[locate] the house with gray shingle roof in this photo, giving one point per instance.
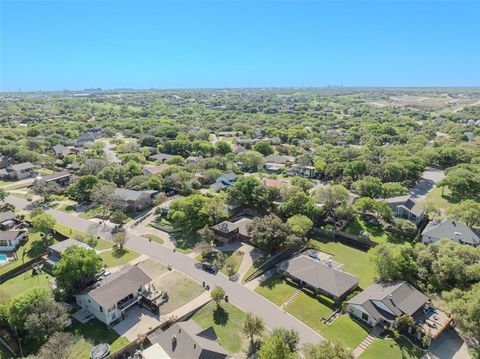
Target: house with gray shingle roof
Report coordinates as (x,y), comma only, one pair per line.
(454,230)
(407,208)
(129,199)
(188,340)
(110,298)
(161,157)
(321,277)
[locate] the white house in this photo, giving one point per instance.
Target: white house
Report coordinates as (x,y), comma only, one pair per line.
(109,298)
(454,230)
(10,240)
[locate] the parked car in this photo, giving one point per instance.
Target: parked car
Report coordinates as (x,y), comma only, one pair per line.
(209,267)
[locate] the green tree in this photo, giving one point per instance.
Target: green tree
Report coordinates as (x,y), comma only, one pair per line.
(25,305)
(76,269)
(289,337)
(120,238)
(393,189)
(407,228)
(82,188)
(300,224)
(118,217)
(332,197)
(393,261)
(45,318)
(252,327)
(263,147)
(3,195)
(217,294)
(223,147)
(271,234)
(327,350)
(273,347)
(467,211)
(43,223)
(368,187)
(252,160)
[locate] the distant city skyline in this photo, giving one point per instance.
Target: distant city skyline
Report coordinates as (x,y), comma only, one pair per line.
(52,46)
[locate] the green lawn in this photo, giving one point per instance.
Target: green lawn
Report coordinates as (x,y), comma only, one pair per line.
(234,259)
(345,331)
(117,257)
(443,202)
(388,348)
(310,309)
(276,289)
(96,243)
(255,266)
(180,289)
(93,333)
(92,212)
(354,261)
(153,238)
(186,241)
(68,208)
(4,353)
(25,282)
(358,226)
(227,321)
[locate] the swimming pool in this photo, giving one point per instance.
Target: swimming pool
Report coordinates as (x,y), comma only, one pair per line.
(3,259)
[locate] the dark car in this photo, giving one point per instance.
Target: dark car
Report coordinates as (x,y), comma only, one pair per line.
(209,267)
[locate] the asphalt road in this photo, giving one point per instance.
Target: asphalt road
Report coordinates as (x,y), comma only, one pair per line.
(429,178)
(242,297)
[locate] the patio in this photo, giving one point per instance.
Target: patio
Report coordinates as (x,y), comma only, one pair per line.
(137,321)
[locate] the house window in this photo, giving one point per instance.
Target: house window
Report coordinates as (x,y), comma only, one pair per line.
(365,317)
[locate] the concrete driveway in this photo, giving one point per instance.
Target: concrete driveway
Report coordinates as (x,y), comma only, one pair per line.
(449,345)
(429,178)
(138,321)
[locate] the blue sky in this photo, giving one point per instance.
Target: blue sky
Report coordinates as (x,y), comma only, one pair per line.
(112,44)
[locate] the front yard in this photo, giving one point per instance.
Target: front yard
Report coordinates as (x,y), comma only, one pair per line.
(186,242)
(359,226)
(276,289)
(180,289)
(227,321)
(153,237)
(354,261)
(389,348)
(116,257)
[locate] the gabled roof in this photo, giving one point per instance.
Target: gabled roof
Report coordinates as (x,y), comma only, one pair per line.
(229,176)
(451,229)
(154,170)
(319,275)
(128,194)
(278,158)
(406,202)
(7,216)
(22,166)
(55,176)
(160,157)
(60,247)
(8,235)
(399,297)
(188,340)
(117,286)
(228,227)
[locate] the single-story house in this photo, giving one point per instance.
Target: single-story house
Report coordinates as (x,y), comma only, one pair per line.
(407,208)
(272,167)
(381,303)
(228,179)
(128,199)
(55,251)
(318,276)
(8,220)
(227,231)
(154,170)
(62,151)
(161,157)
(218,186)
(193,159)
(188,340)
(238,149)
(454,230)
(229,133)
(274,158)
(299,170)
(109,298)
(10,240)
(62,178)
(18,171)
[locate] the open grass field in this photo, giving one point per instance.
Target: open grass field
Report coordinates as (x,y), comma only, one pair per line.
(117,257)
(25,282)
(276,289)
(355,261)
(389,348)
(227,321)
(180,289)
(377,234)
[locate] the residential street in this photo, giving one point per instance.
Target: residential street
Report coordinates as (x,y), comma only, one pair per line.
(429,178)
(239,295)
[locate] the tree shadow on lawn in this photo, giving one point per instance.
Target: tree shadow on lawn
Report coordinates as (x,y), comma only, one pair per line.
(39,246)
(119,253)
(220,316)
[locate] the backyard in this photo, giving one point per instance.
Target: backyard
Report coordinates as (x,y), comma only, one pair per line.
(389,348)
(25,282)
(354,261)
(377,234)
(435,199)
(227,321)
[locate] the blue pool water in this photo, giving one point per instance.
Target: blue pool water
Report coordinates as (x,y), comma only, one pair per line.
(3,258)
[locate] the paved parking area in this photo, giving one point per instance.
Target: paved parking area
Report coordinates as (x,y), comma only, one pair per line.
(138,320)
(449,345)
